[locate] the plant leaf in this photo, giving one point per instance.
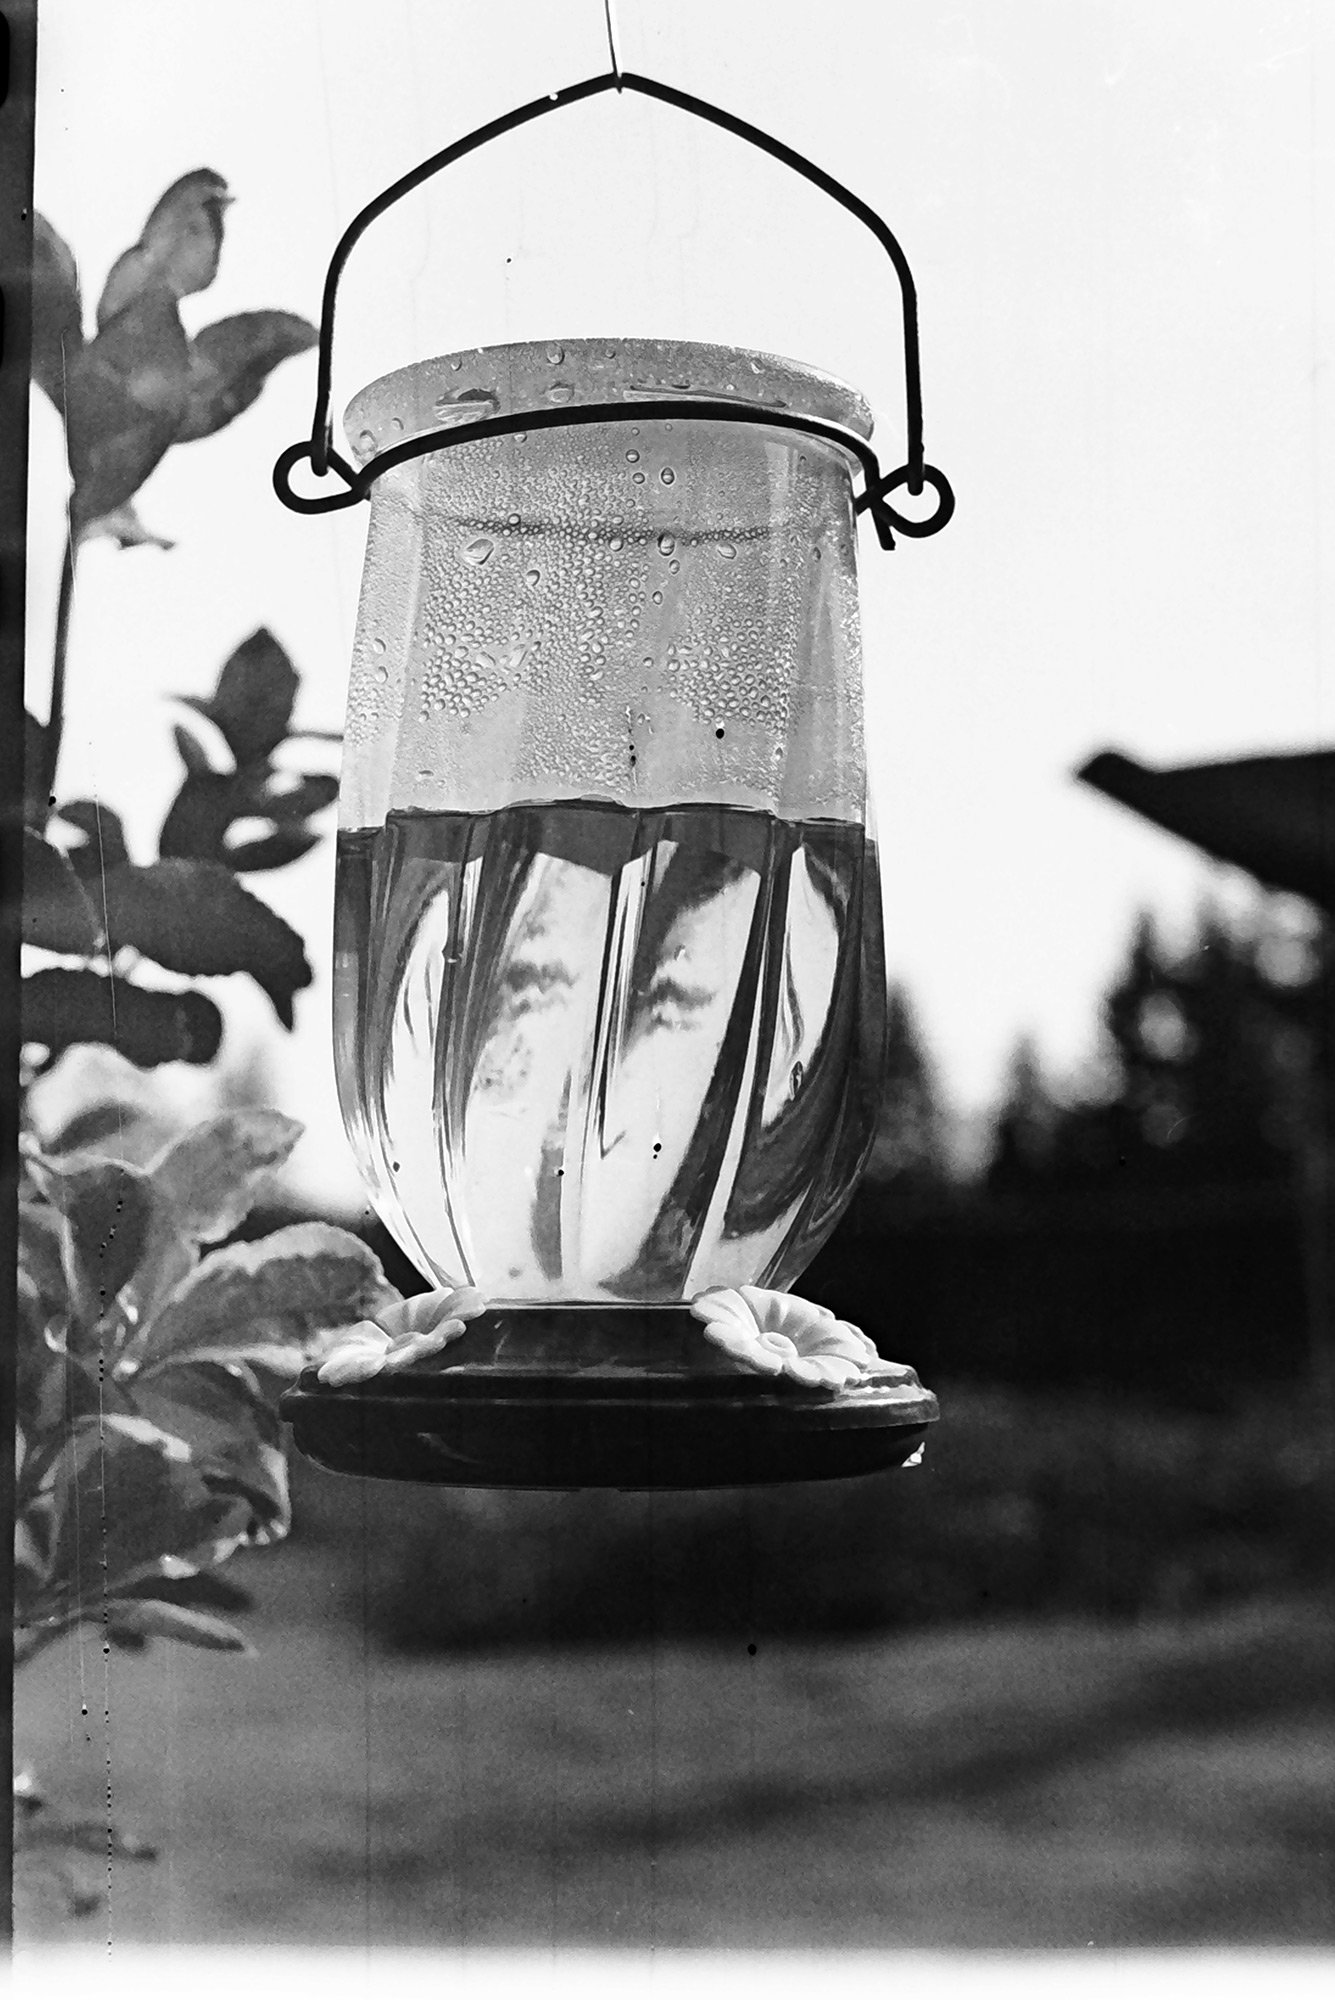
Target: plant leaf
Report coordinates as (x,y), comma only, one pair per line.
(196,825)
(195,917)
(57,312)
(91,1126)
(126,397)
(61,1008)
(234,1437)
(231,361)
(104,837)
(56,913)
(150,1618)
(108,1208)
(178,248)
(202,1590)
(210,1178)
(272,850)
(252,703)
(36,804)
(267,1301)
(123,1506)
(124,527)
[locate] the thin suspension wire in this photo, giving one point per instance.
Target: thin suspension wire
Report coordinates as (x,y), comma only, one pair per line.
(612,41)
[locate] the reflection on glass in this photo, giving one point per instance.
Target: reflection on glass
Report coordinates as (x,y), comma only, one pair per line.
(589,1052)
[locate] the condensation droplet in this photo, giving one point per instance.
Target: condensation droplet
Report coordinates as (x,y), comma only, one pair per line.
(382,674)
(512,520)
(666,544)
(674,567)
(667,475)
(556,355)
(638,477)
(616,543)
(396,425)
(727,551)
(560,392)
(658,597)
(632,458)
(377,645)
(532,576)
(366,440)
(456,362)
(477,552)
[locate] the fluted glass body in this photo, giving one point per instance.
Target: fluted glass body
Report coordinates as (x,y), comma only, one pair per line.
(609,982)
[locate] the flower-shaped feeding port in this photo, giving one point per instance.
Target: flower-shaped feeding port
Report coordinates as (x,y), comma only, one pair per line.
(413,1330)
(773,1333)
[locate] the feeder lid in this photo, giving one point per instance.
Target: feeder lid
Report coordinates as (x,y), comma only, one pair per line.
(544,374)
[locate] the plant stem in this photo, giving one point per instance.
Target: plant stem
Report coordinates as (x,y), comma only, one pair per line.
(55,727)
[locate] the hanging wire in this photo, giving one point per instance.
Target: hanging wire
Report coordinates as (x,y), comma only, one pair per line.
(915,474)
(612,42)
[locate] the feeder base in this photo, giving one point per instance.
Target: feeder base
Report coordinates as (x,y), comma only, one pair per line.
(641,1403)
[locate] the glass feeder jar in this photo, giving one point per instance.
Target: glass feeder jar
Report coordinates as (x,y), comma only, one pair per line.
(609,989)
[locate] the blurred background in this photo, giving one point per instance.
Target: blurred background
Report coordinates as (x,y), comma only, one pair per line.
(1071,1680)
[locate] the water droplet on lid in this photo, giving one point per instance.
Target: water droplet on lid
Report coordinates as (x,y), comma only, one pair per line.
(532,576)
(366,440)
(719,731)
(666,544)
(456,362)
(477,552)
(382,673)
(638,477)
(556,355)
(667,475)
(727,551)
(560,392)
(632,458)
(616,543)
(512,520)
(658,597)
(396,425)
(377,645)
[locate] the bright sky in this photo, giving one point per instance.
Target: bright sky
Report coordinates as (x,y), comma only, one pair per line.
(1120,218)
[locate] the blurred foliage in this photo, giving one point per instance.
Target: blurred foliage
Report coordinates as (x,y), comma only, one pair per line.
(909,1155)
(1216,1059)
(140,383)
(148,1350)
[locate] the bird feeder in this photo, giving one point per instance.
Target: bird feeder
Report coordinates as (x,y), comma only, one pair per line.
(610,992)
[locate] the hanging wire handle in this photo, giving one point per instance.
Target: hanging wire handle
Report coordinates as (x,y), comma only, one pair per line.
(914,474)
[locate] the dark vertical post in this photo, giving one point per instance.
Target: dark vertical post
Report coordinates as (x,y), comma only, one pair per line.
(18,72)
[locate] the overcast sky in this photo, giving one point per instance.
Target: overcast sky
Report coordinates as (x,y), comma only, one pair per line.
(1120,217)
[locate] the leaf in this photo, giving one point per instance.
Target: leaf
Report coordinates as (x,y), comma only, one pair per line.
(126,397)
(231,361)
(285,798)
(152,1619)
(178,248)
(94,1125)
(61,1008)
(273,850)
(122,1506)
(210,1177)
(200,1590)
(195,828)
(57,312)
(124,527)
(104,837)
(108,1208)
(36,803)
(56,913)
(193,754)
(195,917)
(233,1434)
(252,703)
(268,1300)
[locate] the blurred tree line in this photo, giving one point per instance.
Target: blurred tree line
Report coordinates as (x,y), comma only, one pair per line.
(1146,1224)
